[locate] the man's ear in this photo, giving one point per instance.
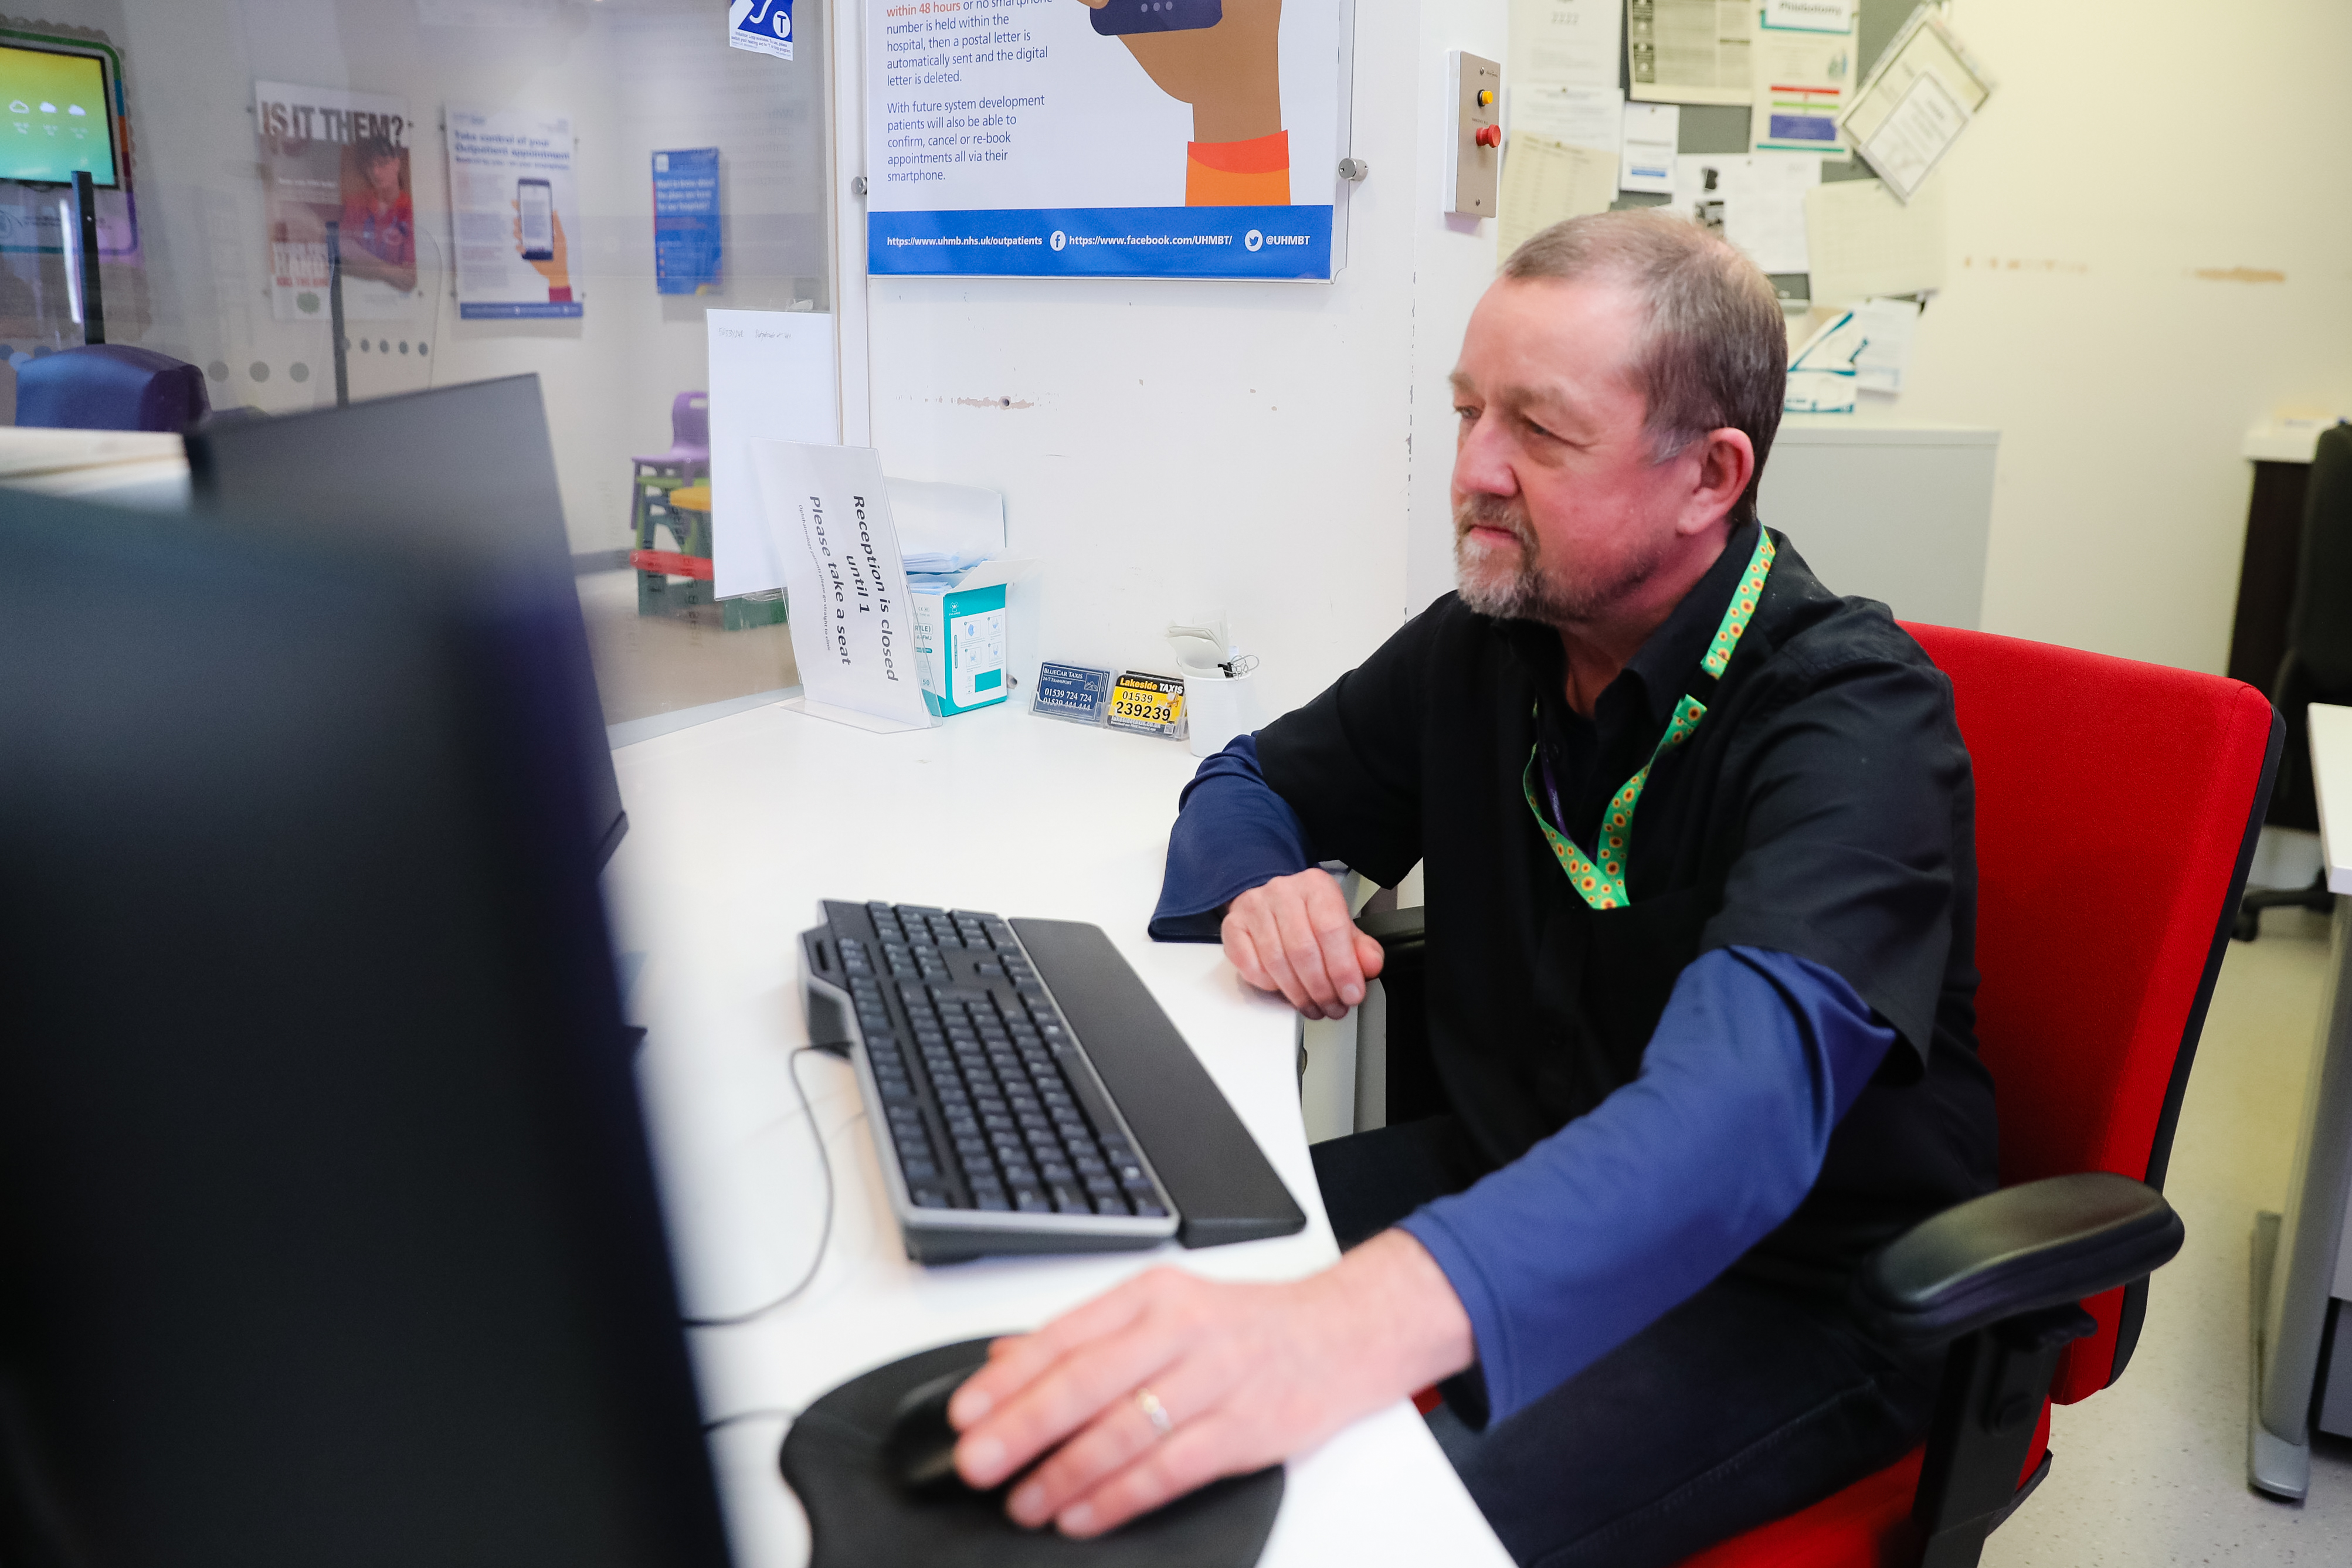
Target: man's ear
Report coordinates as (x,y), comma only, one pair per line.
(1726,461)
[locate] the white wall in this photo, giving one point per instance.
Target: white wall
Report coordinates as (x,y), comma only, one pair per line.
(1176,447)
(2129,148)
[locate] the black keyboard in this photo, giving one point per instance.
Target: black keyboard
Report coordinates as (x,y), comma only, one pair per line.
(995,1130)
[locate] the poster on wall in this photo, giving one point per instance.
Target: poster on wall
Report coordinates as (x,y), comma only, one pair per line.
(1124,138)
(516,209)
(686,221)
(332,156)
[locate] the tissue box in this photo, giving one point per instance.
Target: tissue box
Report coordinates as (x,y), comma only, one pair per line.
(962,637)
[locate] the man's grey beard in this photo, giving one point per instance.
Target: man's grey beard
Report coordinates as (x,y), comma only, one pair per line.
(1528,593)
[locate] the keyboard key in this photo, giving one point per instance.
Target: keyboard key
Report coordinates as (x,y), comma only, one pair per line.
(1029,1200)
(1099,1187)
(1067,1200)
(930,1195)
(978,1166)
(995,1202)
(1110,1203)
(1055,1171)
(918,1170)
(1149,1209)
(1019,1174)
(898,1090)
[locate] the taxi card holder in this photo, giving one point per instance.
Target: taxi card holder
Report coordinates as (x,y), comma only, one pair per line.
(1148,705)
(1076,693)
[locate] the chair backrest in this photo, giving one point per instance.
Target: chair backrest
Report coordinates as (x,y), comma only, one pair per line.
(689,419)
(2319,626)
(2117,809)
(110,386)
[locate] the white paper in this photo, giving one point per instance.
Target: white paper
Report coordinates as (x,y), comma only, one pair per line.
(1861,242)
(1568,43)
(962,520)
(1652,131)
(1758,203)
(771,376)
(1689,51)
(1546,181)
(853,619)
(1889,327)
(1821,374)
(1922,94)
(1804,64)
(1579,116)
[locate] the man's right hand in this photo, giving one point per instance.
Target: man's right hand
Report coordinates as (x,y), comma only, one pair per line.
(1294,935)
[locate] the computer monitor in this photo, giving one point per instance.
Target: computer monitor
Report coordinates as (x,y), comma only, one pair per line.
(59,116)
(462,477)
(327,1228)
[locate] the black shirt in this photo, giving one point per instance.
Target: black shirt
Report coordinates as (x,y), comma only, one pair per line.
(1824,808)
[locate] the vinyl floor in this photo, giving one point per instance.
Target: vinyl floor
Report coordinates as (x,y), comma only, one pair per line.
(2153,1470)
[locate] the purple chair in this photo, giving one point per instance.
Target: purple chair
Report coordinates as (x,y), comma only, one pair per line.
(110,386)
(688,459)
(689,439)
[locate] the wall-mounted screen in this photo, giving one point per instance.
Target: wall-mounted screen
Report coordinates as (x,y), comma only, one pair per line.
(55,117)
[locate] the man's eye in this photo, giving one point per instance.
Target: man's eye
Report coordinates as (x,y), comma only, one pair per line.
(1462,413)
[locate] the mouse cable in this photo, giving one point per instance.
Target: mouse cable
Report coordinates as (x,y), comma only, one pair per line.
(825,1237)
(751,1415)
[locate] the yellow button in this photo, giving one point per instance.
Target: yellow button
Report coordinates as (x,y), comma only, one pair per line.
(1485,96)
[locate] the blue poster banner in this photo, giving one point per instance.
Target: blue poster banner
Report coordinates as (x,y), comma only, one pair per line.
(1271,242)
(764,26)
(686,221)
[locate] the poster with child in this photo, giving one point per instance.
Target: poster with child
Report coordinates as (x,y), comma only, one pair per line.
(330,156)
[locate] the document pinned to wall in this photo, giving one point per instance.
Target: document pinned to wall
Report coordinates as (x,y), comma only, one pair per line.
(1758,203)
(1547,182)
(1689,51)
(1863,242)
(1579,116)
(1564,43)
(1923,92)
(1804,62)
(853,617)
(1865,349)
(772,377)
(1652,131)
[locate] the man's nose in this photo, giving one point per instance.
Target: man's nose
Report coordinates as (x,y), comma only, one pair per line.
(1482,463)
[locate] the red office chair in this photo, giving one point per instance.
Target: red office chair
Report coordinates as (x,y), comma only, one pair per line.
(2116,810)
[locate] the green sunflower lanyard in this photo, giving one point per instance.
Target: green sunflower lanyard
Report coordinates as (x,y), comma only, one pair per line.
(1604,886)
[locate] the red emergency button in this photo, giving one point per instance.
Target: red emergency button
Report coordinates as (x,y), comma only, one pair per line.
(1489,136)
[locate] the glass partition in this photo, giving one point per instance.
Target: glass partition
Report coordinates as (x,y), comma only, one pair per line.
(563,188)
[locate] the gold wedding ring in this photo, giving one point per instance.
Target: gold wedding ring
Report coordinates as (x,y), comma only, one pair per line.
(1154,1412)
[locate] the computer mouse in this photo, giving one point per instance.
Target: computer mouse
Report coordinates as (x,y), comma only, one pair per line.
(920,1449)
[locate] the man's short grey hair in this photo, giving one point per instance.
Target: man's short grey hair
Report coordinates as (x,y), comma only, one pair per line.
(1715,348)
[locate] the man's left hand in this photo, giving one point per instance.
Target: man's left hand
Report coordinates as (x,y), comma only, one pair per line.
(1241,1375)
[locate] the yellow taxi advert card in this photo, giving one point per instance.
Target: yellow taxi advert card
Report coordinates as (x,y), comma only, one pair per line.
(1148,704)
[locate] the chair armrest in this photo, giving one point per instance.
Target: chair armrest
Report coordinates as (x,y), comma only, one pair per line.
(1397,931)
(2041,1244)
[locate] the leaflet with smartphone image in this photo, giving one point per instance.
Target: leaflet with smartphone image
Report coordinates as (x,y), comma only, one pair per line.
(517,208)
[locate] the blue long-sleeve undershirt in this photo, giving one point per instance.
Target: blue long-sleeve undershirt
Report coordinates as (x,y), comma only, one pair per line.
(1601,1228)
(1605,1226)
(1232,832)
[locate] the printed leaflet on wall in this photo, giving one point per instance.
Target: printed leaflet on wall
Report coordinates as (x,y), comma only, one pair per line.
(686,221)
(331,156)
(517,208)
(1145,139)
(770,378)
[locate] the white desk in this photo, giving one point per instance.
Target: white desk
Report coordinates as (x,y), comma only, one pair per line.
(737,828)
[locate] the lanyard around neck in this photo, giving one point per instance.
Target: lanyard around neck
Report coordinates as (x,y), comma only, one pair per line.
(1603,885)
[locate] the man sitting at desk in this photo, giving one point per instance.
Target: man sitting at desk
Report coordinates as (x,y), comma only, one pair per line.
(1697,839)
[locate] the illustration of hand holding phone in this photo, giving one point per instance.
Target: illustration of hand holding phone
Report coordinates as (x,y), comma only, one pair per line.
(1223,57)
(1117,18)
(535,201)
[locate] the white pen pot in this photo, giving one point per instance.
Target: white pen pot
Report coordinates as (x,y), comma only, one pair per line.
(1220,706)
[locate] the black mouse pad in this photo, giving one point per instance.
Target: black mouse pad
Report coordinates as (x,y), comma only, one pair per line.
(862,1518)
